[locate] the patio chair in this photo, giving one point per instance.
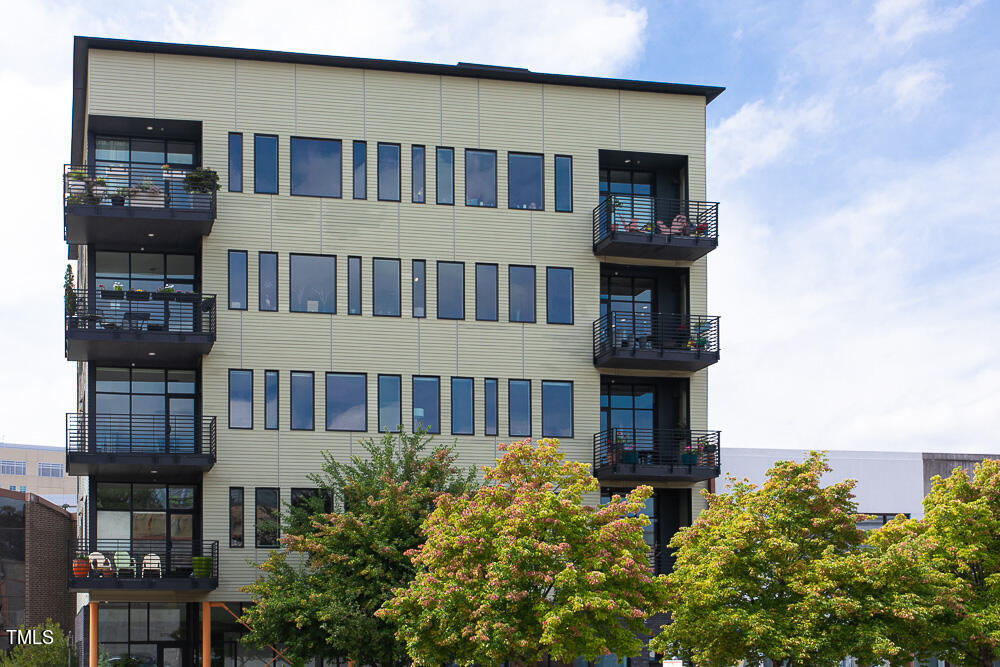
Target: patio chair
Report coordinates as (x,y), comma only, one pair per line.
(123,561)
(151,563)
(99,563)
(134,321)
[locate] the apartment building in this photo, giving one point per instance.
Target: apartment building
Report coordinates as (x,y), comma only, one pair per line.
(487,253)
(37,469)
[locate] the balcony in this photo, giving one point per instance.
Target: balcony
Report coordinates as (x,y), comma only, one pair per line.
(660,341)
(129,446)
(143,565)
(655,228)
(663,455)
(135,206)
(116,326)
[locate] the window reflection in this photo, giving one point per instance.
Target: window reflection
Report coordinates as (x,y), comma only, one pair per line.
(426,404)
(316,167)
(480,178)
(524,181)
(312,283)
(519,408)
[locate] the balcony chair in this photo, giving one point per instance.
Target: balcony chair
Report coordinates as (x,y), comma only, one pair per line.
(99,563)
(124,561)
(151,563)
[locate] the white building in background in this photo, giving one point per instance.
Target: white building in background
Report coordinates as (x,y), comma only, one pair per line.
(40,470)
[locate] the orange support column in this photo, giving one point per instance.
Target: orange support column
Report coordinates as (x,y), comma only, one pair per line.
(92,635)
(206,634)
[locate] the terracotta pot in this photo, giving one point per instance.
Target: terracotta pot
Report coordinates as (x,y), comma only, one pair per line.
(81,567)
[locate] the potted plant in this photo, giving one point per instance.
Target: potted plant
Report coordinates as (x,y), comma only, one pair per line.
(171,173)
(117,291)
(137,295)
(118,198)
(202,566)
(165,293)
(147,194)
(689,454)
(76,181)
(81,567)
(201,184)
(69,294)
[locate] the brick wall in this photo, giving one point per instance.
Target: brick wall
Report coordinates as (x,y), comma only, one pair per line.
(48,530)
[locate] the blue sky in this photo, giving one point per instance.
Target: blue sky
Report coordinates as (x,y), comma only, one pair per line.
(855,154)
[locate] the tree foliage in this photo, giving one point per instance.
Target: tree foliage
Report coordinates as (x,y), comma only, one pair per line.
(317,598)
(524,568)
(40,654)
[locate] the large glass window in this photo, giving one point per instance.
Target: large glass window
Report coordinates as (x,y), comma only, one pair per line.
(427,403)
(267,281)
(316,167)
(360,170)
(490,403)
(462,406)
(134,407)
(240,398)
(559,295)
(265,164)
(236,517)
(524,181)
(302,388)
(480,178)
(419,288)
(386,287)
(390,413)
(519,408)
(8,467)
(451,291)
(417,180)
(50,469)
(521,295)
(312,283)
(235,162)
(353,285)
(388,172)
(629,409)
(346,402)
(444,173)
(487,292)
(557,409)
(237,280)
(266,517)
(271,400)
(564,183)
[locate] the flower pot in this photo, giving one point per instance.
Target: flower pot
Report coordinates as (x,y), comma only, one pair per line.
(202,566)
(118,201)
(689,459)
(162,296)
(112,294)
(81,567)
(135,295)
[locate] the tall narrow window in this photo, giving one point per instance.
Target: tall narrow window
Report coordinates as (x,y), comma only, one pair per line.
(417,180)
(271,400)
(353,285)
(388,172)
(521,297)
(235,162)
(312,283)
(524,181)
(487,293)
(557,409)
(427,404)
(316,167)
(346,402)
(450,291)
(266,517)
(490,403)
(564,183)
(462,410)
(360,170)
(444,174)
(390,400)
(385,287)
(419,288)
(519,408)
(237,280)
(558,295)
(240,399)
(267,281)
(480,178)
(265,164)
(236,517)
(302,388)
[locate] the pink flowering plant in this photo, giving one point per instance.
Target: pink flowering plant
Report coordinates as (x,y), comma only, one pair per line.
(525,568)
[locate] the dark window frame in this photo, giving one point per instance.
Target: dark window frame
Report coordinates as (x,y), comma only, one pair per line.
(496,177)
(378,171)
(413,171)
(378,398)
(326,404)
(572,408)
(291,401)
(413,422)
(335,290)
(229,399)
(260,283)
(399,287)
(277,520)
(437,291)
(240,542)
(555,183)
(496,296)
(534,291)
(572,295)
(531,423)
(437,187)
(277,164)
(270,372)
(496,407)
(354,169)
(541,157)
(472,405)
(351,286)
(423,288)
(229,162)
(291,161)
(229,278)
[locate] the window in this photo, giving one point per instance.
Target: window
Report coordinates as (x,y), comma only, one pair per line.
(462,403)
(557,409)
(390,413)
(237,280)
(388,172)
(524,181)
(311,499)
(490,397)
(480,178)
(235,162)
(419,288)
(271,400)
(418,179)
(564,183)
(267,281)
(312,283)
(521,296)
(13,468)
(487,293)
(266,517)
(316,167)
(240,399)
(135,406)
(451,291)
(519,408)
(236,517)
(360,170)
(50,469)
(427,404)
(386,287)
(302,400)
(265,164)
(346,402)
(445,176)
(558,295)
(353,285)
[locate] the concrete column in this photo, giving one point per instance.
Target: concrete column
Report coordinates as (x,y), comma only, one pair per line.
(92,634)
(206,635)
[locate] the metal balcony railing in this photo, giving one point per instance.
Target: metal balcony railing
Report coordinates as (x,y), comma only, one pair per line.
(655,217)
(138,311)
(147,560)
(656,447)
(133,185)
(657,332)
(140,434)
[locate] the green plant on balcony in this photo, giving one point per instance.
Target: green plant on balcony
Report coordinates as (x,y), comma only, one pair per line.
(146,187)
(69,294)
(201,181)
(84,189)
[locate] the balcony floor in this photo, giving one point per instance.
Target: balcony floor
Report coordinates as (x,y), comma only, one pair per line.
(637,472)
(128,466)
(122,346)
(656,246)
(656,359)
(130,226)
(147,583)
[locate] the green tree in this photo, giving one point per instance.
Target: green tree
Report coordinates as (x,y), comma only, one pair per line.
(69,296)
(41,654)
(524,568)
(317,598)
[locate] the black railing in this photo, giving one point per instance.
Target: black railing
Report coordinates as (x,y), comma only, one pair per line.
(655,217)
(655,332)
(149,559)
(133,185)
(656,447)
(140,434)
(171,312)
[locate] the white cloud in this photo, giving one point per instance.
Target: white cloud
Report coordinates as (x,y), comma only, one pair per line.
(903,21)
(913,87)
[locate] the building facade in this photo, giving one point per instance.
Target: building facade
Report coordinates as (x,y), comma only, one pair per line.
(484,252)
(39,470)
